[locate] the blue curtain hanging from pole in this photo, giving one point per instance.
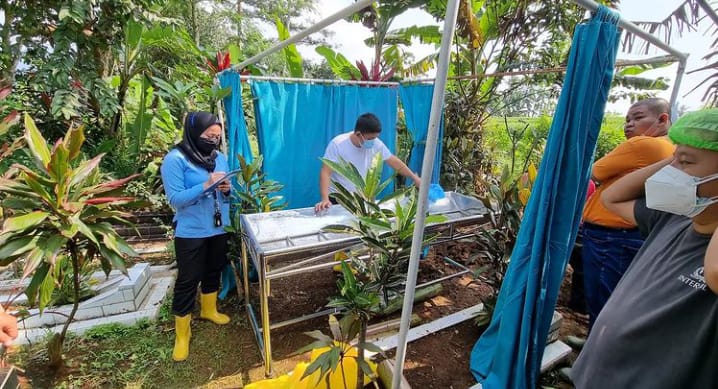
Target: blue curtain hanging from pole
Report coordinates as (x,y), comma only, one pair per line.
(237,143)
(296,121)
(237,137)
(416,101)
(508,354)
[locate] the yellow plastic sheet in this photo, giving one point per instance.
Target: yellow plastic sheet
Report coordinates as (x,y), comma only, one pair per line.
(346,372)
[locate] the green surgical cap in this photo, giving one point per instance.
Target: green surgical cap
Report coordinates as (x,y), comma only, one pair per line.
(698,129)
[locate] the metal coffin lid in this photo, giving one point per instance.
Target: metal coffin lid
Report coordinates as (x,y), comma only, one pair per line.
(298,231)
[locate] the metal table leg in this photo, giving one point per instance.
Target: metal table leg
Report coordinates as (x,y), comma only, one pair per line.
(264,307)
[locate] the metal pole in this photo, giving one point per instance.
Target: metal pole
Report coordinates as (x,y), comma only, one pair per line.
(264,311)
(682,57)
(220,113)
(559,69)
(320,81)
(629,26)
(676,88)
(341,14)
(437,104)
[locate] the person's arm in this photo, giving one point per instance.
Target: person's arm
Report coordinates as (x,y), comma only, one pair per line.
(325,175)
(401,168)
(8,327)
(225,186)
(173,181)
(620,197)
(616,162)
(710,265)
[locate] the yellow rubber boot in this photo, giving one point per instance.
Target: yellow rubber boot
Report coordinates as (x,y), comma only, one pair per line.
(208,305)
(183,333)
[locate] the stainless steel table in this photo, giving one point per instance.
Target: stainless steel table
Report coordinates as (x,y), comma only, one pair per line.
(289,242)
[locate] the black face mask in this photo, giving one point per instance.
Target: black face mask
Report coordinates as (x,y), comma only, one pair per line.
(206,146)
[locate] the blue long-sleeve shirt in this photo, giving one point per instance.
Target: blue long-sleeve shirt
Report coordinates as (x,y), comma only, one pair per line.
(184,183)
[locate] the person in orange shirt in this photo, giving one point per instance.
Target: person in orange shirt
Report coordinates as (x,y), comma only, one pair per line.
(609,241)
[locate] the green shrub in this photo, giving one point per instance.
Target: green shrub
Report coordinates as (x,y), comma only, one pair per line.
(498,140)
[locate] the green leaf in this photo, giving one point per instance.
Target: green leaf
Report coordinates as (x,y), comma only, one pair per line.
(133,34)
(53,246)
(15,247)
(117,261)
(340,229)
(46,289)
(339,64)
(346,170)
(84,170)
(366,368)
(334,356)
(371,347)
(118,245)
(635,70)
(73,141)
(335,327)
(68,230)
(426,34)
(291,55)
(235,53)
(106,265)
(24,222)
(85,230)
(143,120)
(38,189)
(314,345)
(435,219)
(36,143)
(16,203)
(321,363)
(37,279)
(46,250)
(58,169)
(318,335)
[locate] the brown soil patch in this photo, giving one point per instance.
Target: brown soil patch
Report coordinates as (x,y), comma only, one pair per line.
(440,360)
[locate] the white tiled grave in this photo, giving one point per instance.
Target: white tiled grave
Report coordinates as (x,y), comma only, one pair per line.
(119,299)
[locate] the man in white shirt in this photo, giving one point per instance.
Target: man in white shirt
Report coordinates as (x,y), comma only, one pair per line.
(359,148)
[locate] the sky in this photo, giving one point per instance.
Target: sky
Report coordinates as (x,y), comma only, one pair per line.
(348,39)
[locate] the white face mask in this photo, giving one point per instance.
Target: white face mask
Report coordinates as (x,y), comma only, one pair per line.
(674,191)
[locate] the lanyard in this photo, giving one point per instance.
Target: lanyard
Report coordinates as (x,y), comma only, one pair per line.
(217,212)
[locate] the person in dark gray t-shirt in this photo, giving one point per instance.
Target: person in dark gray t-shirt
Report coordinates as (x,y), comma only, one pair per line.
(659,328)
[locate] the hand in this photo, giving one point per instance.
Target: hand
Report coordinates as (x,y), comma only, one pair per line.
(8,328)
(417,182)
(213,177)
(224,187)
(322,205)
(656,130)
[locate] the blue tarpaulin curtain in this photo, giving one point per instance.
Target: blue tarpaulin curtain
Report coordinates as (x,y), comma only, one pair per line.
(237,138)
(237,143)
(508,354)
(296,121)
(416,101)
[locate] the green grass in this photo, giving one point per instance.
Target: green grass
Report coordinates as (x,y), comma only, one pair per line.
(140,356)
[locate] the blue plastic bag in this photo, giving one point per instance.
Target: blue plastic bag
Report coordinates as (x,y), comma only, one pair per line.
(436,192)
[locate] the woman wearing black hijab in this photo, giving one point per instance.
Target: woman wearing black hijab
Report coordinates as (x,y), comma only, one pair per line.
(188,170)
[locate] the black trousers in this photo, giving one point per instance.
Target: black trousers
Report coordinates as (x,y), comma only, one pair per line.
(199,261)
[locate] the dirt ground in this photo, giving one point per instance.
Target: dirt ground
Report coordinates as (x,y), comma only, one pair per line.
(422,369)
(226,356)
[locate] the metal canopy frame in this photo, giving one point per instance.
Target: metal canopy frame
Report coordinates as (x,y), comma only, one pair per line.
(432,135)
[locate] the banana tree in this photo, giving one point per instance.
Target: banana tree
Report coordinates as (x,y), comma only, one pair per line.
(62,206)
